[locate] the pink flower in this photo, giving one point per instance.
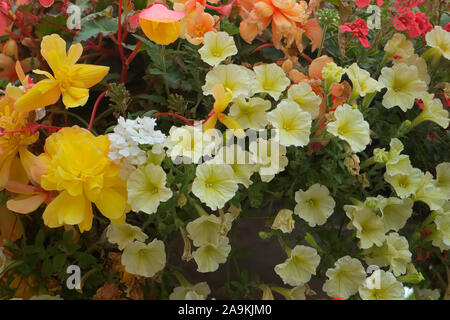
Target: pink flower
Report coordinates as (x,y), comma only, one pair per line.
(359,29)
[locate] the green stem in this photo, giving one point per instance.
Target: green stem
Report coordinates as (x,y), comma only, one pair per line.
(163,62)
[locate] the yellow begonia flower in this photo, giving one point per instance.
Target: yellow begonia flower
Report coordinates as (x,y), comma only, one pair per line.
(399,46)
(207,229)
(270,157)
(429,193)
(69,79)
(405,183)
(160,24)
(368,226)
(214,184)
(305,97)
(394,253)
(217,47)
(345,278)
(222,98)
(292,123)
(250,113)
(443,177)
(189,143)
(421,65)
(209,257)
(434,111)
(236,79)
(351,127)
(314,205)
(13,144)
(124,234)
(395,211)
(439,39)
(76,163)
(144,260)
(403,86)
(270,79)
(362,83)
(382,285)
(298,268)
(199,291)
(147,188)
(284,221)
(240,160)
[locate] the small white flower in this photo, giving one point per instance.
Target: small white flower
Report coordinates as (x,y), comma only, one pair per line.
(124,234)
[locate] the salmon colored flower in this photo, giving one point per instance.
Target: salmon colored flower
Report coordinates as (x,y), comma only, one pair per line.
(76,164)
(285,16)
(160,24)
(198,23)
(223,98)
(69,79)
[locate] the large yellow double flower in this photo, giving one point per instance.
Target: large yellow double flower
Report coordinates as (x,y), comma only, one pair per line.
(69,79)
(76,164)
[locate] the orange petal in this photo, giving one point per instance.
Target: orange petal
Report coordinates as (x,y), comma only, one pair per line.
(315,68)
(314,33)
(26,204)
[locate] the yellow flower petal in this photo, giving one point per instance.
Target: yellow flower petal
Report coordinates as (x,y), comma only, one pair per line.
(112,203)
(53,49)
(87,75)
(44,93)
(75,97)
(74,53)
(162,33)
(65,209)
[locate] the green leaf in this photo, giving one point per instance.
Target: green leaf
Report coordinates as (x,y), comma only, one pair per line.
(89,29)
(84,259)
(59,261)
(43,28)
(47,268)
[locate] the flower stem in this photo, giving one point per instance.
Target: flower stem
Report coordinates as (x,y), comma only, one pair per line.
(163,62)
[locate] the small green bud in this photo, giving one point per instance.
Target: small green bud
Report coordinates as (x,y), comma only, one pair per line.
(328,16)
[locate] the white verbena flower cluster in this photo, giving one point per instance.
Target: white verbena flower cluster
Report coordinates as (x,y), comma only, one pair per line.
(127,138)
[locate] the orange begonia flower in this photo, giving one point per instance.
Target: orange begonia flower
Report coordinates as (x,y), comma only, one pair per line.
(197,24)
(288,19)
(160,24)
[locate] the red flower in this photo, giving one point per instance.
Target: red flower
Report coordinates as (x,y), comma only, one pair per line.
(415,24)
(447,27)
(359,29)
(365,3)
(362,3)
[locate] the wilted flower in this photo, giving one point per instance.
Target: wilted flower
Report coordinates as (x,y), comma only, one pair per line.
(284,221)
